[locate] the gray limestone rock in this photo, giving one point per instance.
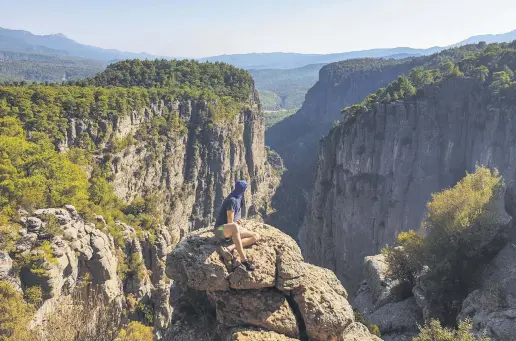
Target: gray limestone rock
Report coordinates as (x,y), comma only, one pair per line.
(398,318)
(6,265)
(377,171)
(492,307)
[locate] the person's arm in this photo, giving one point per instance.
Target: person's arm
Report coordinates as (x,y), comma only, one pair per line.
(231,215)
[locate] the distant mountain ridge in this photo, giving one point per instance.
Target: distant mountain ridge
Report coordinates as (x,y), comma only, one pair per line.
(59,44)
(281,60)
(489,38)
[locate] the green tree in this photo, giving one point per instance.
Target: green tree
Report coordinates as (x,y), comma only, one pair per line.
(15,315)
(459,225)
(480,73)
(135,331)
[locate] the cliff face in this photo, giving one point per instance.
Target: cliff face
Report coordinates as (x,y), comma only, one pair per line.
(376,171)
(189,170)
(297,137)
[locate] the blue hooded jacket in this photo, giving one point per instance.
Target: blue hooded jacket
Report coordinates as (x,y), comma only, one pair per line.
(233,202)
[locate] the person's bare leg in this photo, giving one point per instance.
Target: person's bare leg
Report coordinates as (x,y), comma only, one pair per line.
(246,238)
(233,231)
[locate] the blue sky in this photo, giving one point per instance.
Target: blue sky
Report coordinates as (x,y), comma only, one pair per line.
(199,28)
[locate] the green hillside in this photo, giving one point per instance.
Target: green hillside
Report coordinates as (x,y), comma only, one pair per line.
(34,118)
(45,68)
(289,85)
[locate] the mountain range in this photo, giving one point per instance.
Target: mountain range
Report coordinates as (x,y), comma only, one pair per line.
(60,45)
(281,78)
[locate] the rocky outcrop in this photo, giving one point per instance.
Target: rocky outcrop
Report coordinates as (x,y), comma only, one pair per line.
(492,306)
(387,303)
(377,171)
(398,308)
(283,299)
(297,137)
(188,170)
(65,256)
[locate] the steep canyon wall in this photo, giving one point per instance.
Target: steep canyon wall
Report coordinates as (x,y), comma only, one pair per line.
(377,170)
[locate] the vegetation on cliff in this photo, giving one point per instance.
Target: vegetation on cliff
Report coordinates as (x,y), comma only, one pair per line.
(42,165)
(434,332)
(491,66)
(460,225)
(206,79)
(34,119)
(15,315)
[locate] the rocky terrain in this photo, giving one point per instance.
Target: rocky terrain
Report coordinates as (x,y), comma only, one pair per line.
(160,157)
(81,257)
(376,172)
(397,307)
(283,299)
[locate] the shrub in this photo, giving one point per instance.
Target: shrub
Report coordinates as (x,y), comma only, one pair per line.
(135,331)
(460,224)
(37,262)
(8,235)
(33,295)
(120,143)
(51,226)
(373,328)
(434,332)
(405,259)
(15,315)
(146,312)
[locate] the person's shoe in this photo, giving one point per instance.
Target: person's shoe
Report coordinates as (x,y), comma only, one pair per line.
(225,254)
(247,265)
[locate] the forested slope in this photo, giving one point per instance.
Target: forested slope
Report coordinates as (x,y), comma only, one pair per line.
(145,152)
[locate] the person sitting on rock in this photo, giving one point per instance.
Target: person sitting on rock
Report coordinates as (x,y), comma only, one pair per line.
(228,226)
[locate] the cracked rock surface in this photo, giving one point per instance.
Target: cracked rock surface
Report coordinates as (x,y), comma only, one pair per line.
(283,299)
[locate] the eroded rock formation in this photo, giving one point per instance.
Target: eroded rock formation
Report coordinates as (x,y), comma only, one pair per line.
(387,303)
(398,308)
(377,171)
(61,254)
(189,170)
(492,307)
(283,299)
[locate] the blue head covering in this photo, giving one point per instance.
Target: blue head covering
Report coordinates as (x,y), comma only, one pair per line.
(240,188)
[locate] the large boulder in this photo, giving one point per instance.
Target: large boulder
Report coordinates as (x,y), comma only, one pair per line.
(253,334)
(266,309)
(357,332)
(322,302)
(283,299)
(492,307)
(398,318)
(387,303)
(278,258)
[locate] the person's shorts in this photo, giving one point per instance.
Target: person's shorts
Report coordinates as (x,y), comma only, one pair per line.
(219,233)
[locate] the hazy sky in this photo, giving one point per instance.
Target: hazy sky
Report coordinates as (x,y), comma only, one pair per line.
(196,28)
